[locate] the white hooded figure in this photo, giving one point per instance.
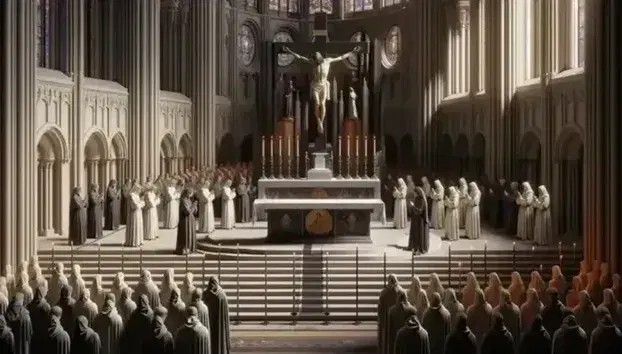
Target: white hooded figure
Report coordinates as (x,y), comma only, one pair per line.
(151,223)
(37,280)
(400,215)
(207,224)
(438,205)
(452,215)
(57,281)
(22,287)
(227,220)
(76,282)
(170,207)
(463,190)
(472,222)
(425,185)
(134,231)
(187,288)
(168,285)
(118,284)
(525,213)
(98,294)
(543,229)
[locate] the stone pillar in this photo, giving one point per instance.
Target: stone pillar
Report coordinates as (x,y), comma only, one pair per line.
(76,24)
(104,169)
(108,34)
(465,48)
(63,191)
(49,197)
(41,190)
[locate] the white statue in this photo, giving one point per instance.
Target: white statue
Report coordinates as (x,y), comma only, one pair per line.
(525,213)
(543,229)
(452,214)
(134,231)
(187,288)
(167,286)
(206,209)
(438,207)
(227,220)
(320,84)
(76,281)
(472,222)
(463,190)
(170,207)
(57,281)
(150,214)
(400,215)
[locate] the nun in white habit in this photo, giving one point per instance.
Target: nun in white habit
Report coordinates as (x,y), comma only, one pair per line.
(452,215)
(472,222)
(400,216)
(543,229)
(134,232)
(438,205)
(525,213)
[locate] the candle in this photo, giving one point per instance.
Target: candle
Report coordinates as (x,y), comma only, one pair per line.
(263,146)
(280,145)
(365,145)
(348,146)
(289,146)
(297,145)
(339,146)
(271,146)
(356,141)
(374,142)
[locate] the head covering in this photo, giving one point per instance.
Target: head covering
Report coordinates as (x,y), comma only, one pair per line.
(461,323)
(157,325)
(143,304)
(82,327)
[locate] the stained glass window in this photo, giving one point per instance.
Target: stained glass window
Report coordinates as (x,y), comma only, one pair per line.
(316,6)
(391,2)
(246,45)
(358,5)
(283,37)
(285,6)
(352,60)
(392,47)
(581,33)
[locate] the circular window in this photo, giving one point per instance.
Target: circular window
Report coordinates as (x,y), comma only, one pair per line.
(246,45)
(392,47)
(283,37)
(353,60)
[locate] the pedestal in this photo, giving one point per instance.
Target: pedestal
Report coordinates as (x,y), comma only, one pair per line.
(319,170)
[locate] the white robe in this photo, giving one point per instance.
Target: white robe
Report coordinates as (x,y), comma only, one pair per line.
(150,216)
(525,216)
(227,220)
(543,229)
(170,208)
(438,209)
(472,222)
(206,211)
(400,216)
(134,230)
(464,192)
(452,218)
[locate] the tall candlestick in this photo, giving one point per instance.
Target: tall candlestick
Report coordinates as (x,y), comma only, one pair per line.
(339,146)
(263,146)
(280,145)
(374,143)
(289,146)
(348,146)
(356,142)
(297,145)
(271,146)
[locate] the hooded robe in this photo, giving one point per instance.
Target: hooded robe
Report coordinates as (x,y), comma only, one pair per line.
(18,319)
(535,341)
(419,234)
(109,326)
(511,320)
(461,340)
(569,338)
(39,310)
(67,304)
(586,317)
(160,340)
(138,328)
(85,340)
(553,314)
(58,341)
(479,318)
(437,321)
(127,306)
(95,215)
(202,309)
(176,313)
(112,216)
(85,307)
(7,341)
(77,219)
(412,338)
(388,298)
(147,287)
(606,338)
(498,340)
(186,230)
(218,306)
(398,314)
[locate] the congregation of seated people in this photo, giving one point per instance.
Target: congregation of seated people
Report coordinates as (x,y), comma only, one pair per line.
(62,315)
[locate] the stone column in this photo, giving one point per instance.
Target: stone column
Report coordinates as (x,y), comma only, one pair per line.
(108,35)
(49,197)
(104,168)
(465,48)
(41,190)
(76,24)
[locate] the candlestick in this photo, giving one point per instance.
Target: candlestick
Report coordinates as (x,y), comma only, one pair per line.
(297,145)
(561,260)
(263,145)
(356,157)
(289,157)
(271,142)
(263,156)
(365,152)
(533,252)
(280,164)
(574,253)
(559,248)
(339,146)
(374,143)
(339,159)
(513,256)
(347,157)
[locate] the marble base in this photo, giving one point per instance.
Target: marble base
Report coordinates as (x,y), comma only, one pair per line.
(319,170)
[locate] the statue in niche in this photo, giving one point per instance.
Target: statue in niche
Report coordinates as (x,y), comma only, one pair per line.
(352,223)
(352,96)
(289,100)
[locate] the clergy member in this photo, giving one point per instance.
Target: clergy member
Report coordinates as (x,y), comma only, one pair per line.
(412,338)
(7,339)
(85,340)
(498,339)
(109,326)
(388,298)
(171,195)
(160,340)
(186,231)
(463,190)
(427,190)
(78,218)
(419,235)
(452,215)
(58,340)
(438,205)
(244,200)
(461,340)
(525,213)
(437,321)
(400,215)
(399,313)
(193,337)
(543,228)
(227,219)
(150,213)
(473,228)
(218,306)
(206,197)
(138,328)
(510,209)
(18,319)
(125,200)
(95,213)
(113,203)
(134,232)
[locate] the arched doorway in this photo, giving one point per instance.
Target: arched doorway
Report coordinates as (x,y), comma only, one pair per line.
(95,161)
(226,150)
(168,160)
(118,158)
(51,183)
(390,152)
(246,149)
(185,153)
(407,147)
(569,149)
(478,156)
(529,159)
(445,155)
(461,154)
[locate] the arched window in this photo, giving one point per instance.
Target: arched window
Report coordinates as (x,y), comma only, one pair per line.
(316,6)
(284,6)
(392,2)
(358,5)
(43,33)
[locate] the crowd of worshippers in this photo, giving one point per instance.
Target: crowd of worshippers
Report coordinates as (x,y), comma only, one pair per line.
(513,207)
(189,202)
(62,315)
(540,318)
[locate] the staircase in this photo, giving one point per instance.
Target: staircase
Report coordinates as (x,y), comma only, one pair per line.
(340,286)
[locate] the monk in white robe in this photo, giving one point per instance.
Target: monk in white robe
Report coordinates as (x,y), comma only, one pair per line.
(134,232)
(452,215)
(543,229)
(463,190)
(170,207)
(400,215)
(227,220)
(438,205)
(150,214)
(472,222)
(525,213)
(206,197)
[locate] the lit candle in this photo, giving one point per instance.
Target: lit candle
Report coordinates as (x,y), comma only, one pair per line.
(289,146)
(374,142)
(348,146)
(297,145)
(271,145)
(356,142)
(280,145)
(339,146)
(365,145)
(263,146)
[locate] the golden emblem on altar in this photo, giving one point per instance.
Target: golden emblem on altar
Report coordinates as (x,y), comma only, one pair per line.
(319,221)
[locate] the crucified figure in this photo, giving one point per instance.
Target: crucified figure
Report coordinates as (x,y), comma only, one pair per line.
(320,84)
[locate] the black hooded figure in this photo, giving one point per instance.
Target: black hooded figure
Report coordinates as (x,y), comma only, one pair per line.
(67,304)
(58,341)
(39,310)
(193,337)
(7,341)
(218,305)
(554,312)
(537,340)
(398,314)
(412,338)
(606,338)
(498,340)
(18,319)
(85,340)
(109,326)
(138,328)
(569,338)
(160,340)
(461,340)
(419,234)
(437,321)
(197,302)
(176,312)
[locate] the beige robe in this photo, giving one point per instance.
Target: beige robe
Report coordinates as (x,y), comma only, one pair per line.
(438,208)
(170,208)
(452,218)
(400,215)
(473,228)
(543,228)
(134,231)
(464,202)
(525,216)
(206,211)
(150,216)
(227,220)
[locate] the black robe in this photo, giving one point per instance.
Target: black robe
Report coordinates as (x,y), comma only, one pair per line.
(67,303)
(77,220)
(138,328)
(39,310)
(186,231)
(18,319)
(536,341)
(112,215)
(606,339)
(109,326)
(398,315)
(387,196)
(388,298)
(553,315)
(176,313)
(123,207)
(437,321)
(569,339)
(419,235)
(85,340)
(510,212)
(587,319)
(193,338)
(497,207)
(160,340)
(218,308)
(412,339)
(58,341)
(498,341)
(95,216)
(461,342)
(7,341)
(511,318)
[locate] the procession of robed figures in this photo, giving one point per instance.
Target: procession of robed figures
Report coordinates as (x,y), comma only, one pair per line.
(189,202)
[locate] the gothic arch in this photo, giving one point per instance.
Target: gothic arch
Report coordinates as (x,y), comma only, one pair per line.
(185,152)
(96,158)
(391,151)
(461,154)
(529,158)
(569,144)
(246,149)
(168,155)
(226,150)
(530,146)
(51,183)
(96,145)
(407,147)
(569,187)
(478,155)
(118,157)
(51,137)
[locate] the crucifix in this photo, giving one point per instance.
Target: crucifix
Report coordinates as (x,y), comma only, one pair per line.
(321,48)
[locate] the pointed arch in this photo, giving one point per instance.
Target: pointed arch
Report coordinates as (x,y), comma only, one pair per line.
(96,145)
(118,146)
(530,146)
(168,146)
(226,149)
(569,144)
(52,143)
(184,148)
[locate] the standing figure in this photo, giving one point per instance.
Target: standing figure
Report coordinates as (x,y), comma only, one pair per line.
(150,213)
(113,203)
(227,219)
(463,190)
(510,209)
(170,207)
(543,229)
(148,288)
(58,340)
(85,339)
(193,337)
(125,200)
(352,111)
(388,298)
(244,200)
(419,235)
(95,213)
(473,228)
(452,215)
(289,100)
(438,206)
(387,194)
(134,232)
(186,231)
(400,215)
(427,189)
(412,338)
(207,224)
(525,213)
(77,218)
(410,188)
(217,303)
